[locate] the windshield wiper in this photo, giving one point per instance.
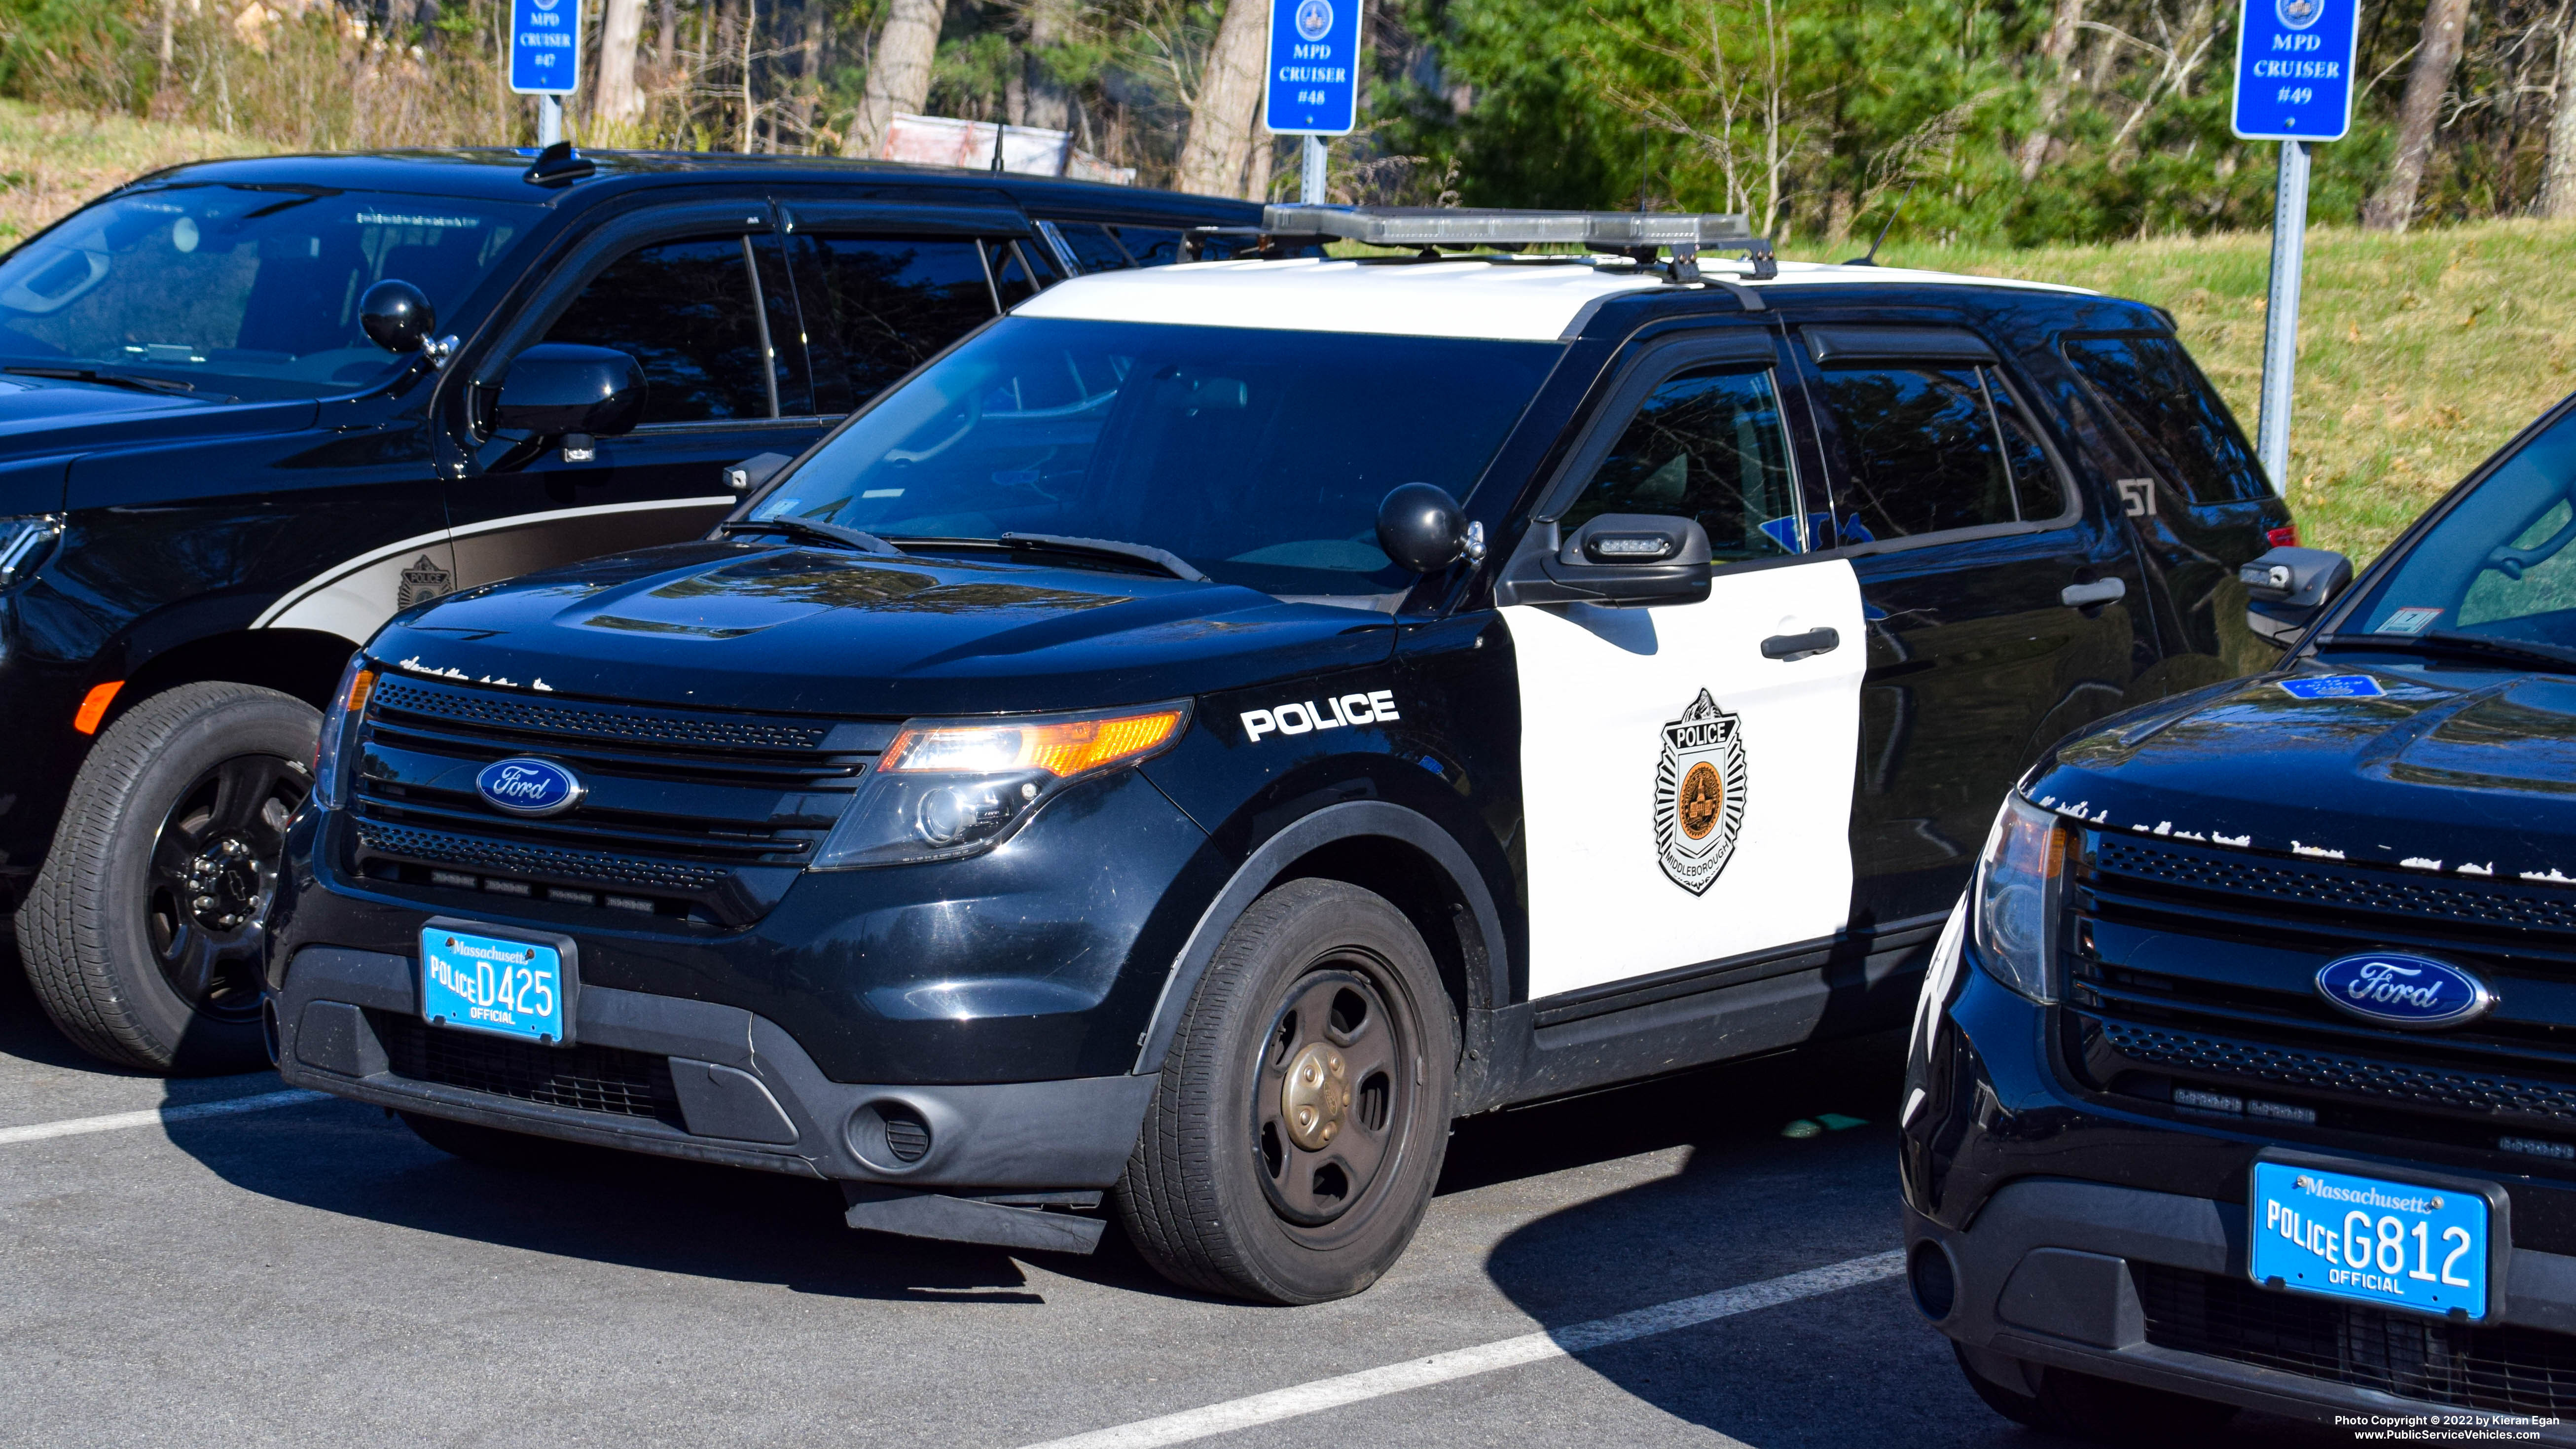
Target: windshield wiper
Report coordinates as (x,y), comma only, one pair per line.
(109,379)
(814,529)
(2451,641)
(1144,553)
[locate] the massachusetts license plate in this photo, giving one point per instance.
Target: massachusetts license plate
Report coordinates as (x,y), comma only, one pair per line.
(2369,1240)
(488,983)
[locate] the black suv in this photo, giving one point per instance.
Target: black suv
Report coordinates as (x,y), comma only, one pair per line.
(2246,1075)
(1116,759)
(250,409)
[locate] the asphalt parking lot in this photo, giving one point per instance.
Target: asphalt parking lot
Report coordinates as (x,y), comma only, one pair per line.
(313,1273)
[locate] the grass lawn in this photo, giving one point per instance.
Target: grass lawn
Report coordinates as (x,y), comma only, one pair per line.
(2418,354)
(52,161)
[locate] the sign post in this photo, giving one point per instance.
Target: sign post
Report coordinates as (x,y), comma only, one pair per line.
(2294,62)
(1313,87)
(545,58)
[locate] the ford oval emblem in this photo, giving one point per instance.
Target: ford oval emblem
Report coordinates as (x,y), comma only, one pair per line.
(525,786)
(2396,988)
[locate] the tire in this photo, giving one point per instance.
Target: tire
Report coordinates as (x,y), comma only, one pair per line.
(1290,1149)
(2107,1411)
(143,935)
(492,1146)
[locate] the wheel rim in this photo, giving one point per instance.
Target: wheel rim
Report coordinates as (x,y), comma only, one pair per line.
(1331,1097)
(213,877)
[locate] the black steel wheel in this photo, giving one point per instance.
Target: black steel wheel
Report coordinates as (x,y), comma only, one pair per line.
(144,933)
(1291,1145)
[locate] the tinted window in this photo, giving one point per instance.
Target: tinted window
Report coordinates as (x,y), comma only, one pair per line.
(2161,403)
(2499,562)
(1094,249)
(1017,274)
(1151,246)
(882,306)
(1924,451)
(1259,456)
(1708,444)
(691,312)
(240,291)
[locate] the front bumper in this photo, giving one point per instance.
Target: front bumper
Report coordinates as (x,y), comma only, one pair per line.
(2078,1233)
(693,1079)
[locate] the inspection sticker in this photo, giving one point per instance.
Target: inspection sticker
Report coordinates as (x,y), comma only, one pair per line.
(2332,686)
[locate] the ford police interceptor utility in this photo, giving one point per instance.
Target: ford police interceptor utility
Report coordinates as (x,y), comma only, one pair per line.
(1214,725)
(249,409)
(2248,1075)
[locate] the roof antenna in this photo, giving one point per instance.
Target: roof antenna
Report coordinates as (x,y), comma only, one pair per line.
(999,127)
(1875,242)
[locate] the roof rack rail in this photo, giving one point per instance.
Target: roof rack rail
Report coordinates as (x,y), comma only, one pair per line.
(1642,236)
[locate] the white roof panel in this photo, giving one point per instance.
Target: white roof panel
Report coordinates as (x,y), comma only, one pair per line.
(1515,301)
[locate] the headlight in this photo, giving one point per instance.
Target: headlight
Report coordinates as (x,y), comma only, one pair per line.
(2015,896)
(952,788)
(24,542)
(339,729)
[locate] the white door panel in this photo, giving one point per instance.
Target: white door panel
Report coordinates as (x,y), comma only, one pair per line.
(1754,816)
(356,596)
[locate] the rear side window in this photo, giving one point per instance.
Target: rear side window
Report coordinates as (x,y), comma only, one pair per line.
(700,318)
(2160,402)
(881,306)
(1930,449)
(1151,246)
(1093,248)
(1708,443)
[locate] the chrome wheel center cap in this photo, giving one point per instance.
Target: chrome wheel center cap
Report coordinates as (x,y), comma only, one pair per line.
(1317,1093)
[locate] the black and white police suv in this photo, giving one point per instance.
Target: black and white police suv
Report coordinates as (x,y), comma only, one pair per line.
(249,409)
(1216,724)
(2248,1075)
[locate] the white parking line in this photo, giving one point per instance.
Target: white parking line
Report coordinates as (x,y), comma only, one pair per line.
(1190,1424)
(157,1116)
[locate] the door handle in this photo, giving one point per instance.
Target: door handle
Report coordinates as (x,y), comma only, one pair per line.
(2094,595)
(1789,648)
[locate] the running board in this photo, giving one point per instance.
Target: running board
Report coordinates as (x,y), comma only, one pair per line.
(1004,1220)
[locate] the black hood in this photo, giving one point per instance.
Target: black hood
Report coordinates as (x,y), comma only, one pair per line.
(2462,772)
(740,626)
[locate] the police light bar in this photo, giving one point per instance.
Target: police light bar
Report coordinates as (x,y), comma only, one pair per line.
(1625,232)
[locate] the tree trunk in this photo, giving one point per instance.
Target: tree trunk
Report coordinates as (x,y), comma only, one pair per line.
(2055,49)
(1048,103)
(669,40)
(616,100)
(1221,124)
(2558,186)
(1256,181)
(2394,206)
(898,74)
(809,69)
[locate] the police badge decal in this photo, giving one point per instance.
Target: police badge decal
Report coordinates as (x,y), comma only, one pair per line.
(1699,794)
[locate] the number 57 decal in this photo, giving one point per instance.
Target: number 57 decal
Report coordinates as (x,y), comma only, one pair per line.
(2138,497)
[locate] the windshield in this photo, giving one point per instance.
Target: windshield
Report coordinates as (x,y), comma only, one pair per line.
(2498,564)
(1258,456)
(239,291)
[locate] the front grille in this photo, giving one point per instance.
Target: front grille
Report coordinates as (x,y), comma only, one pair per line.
(2191,967)
(583,1078)
(2341,891)
(698,814)
(2501,1369)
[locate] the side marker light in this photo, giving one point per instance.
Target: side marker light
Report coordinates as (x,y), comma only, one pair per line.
(93,706)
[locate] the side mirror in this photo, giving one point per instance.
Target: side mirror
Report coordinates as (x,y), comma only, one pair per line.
(1423,529)
(1635,559)
(556,388)
(397,316)
(2288,587)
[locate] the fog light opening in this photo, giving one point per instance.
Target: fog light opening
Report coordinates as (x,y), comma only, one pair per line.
(1935,1282)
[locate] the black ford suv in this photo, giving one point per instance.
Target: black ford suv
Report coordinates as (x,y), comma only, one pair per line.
(250,409)
(2247,1075)
(1117,759)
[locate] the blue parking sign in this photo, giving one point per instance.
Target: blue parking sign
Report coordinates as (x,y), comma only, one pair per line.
(545,47)
(2294,62)
(1313,88)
